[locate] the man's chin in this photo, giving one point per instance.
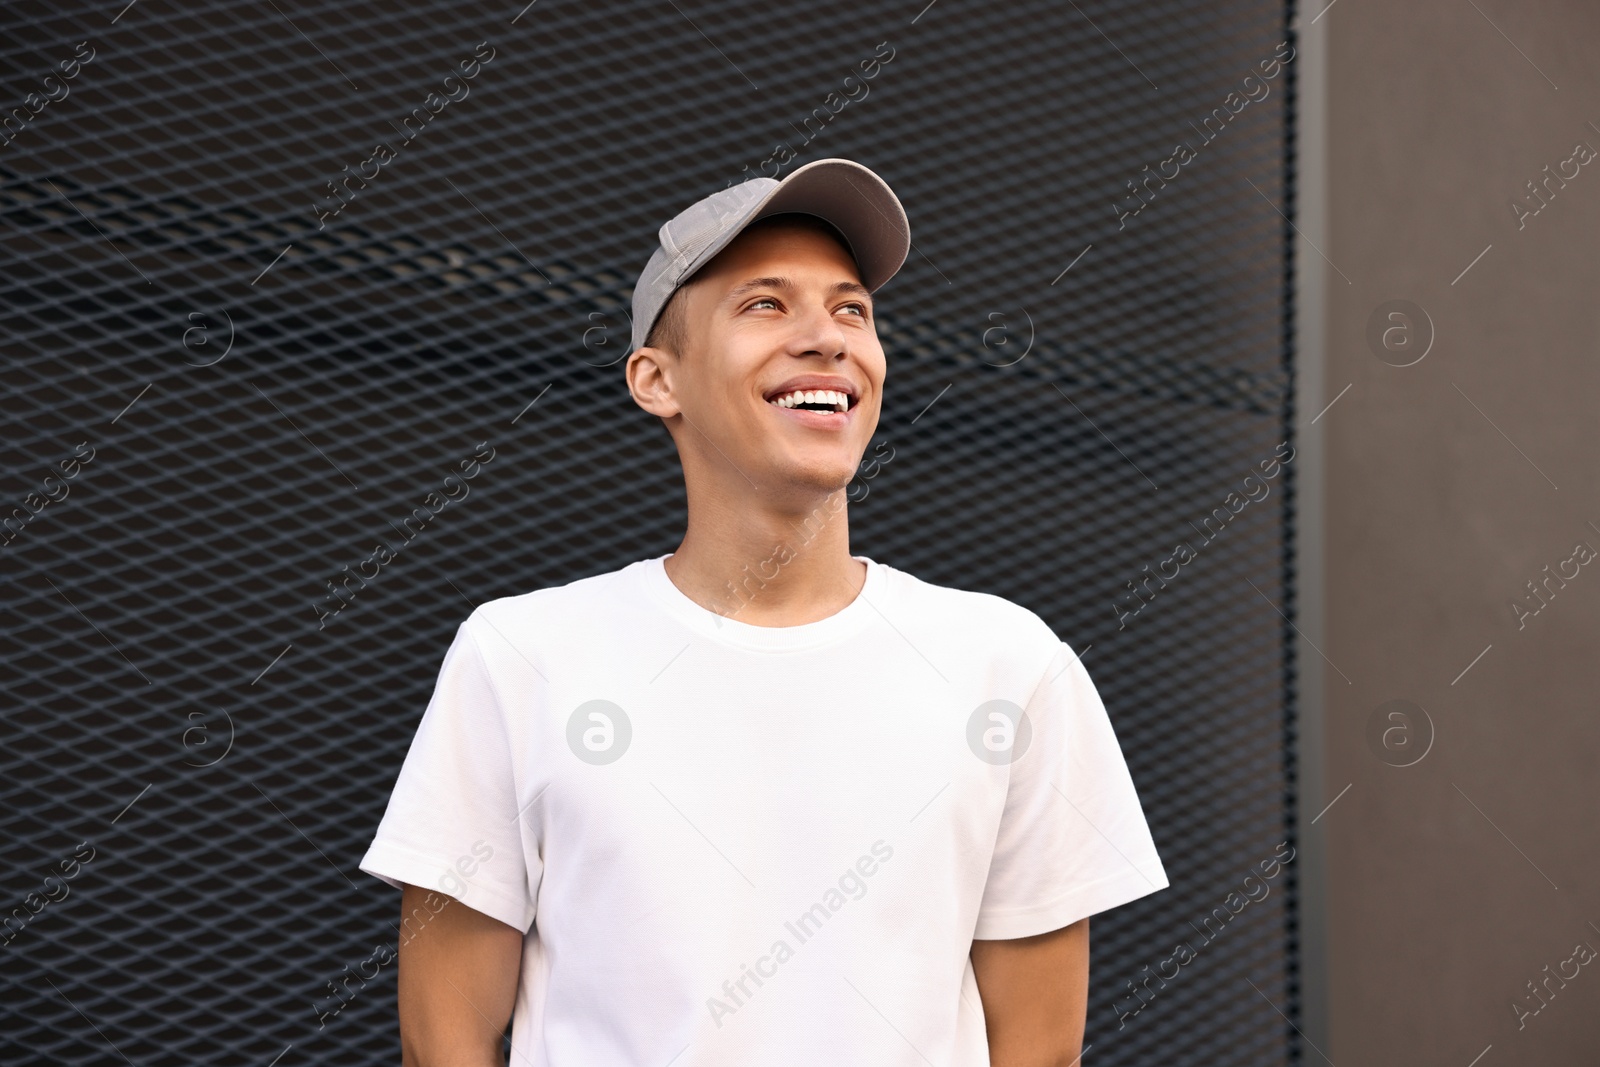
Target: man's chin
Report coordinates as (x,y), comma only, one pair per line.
(813,479)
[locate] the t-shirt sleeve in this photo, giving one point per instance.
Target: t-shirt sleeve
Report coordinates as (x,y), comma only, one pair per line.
(453,823)
(1073,840)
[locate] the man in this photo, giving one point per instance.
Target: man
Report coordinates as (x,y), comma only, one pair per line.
(759,801)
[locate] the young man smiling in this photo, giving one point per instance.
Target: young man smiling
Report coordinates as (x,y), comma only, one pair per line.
(861,819)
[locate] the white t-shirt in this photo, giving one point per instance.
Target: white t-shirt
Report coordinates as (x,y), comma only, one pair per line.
(738,844)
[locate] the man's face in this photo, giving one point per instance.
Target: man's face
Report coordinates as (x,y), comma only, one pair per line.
(780,311)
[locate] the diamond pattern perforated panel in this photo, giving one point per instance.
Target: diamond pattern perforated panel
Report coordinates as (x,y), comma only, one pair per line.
(271,272)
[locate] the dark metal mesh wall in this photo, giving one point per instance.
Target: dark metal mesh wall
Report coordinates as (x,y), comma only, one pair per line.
(264,395)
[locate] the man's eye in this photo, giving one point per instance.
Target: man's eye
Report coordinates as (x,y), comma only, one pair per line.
(860,309)
(764,300)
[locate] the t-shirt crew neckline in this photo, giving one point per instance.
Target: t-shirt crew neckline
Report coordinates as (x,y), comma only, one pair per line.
(843,623)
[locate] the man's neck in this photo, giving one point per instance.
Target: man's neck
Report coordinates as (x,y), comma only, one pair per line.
(769,566)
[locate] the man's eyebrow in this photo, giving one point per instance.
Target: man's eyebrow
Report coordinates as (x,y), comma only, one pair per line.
(837,289)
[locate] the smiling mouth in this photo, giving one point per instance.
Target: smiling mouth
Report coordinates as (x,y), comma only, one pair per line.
(821,400)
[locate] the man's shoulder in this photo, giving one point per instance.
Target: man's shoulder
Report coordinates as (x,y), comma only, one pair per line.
(983,616)
(552,609)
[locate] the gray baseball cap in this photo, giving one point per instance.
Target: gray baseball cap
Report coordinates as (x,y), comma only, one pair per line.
(858,203)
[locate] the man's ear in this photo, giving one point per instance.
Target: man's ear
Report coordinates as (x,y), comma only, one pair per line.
(649,372)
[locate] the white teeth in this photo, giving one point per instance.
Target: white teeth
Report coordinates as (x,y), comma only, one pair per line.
(840,401)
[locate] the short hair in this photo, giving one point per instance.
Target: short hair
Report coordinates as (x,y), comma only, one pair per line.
(670,331)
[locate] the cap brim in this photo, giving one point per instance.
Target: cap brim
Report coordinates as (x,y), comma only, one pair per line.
(858,203)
